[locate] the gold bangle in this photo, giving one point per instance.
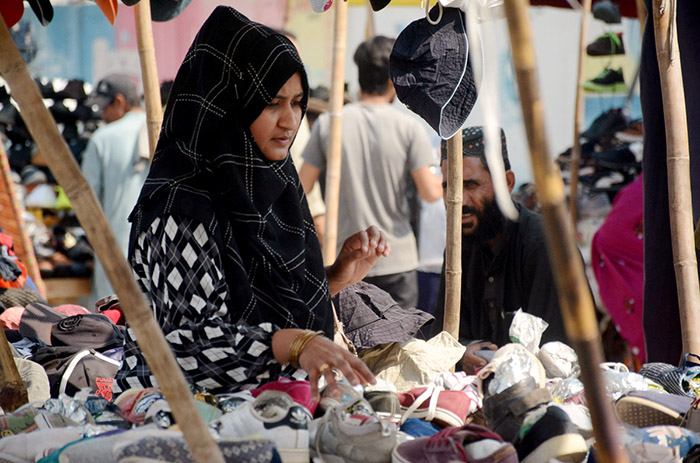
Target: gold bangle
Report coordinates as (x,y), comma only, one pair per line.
(298,345)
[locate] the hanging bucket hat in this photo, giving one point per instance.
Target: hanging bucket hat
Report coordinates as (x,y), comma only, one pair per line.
(431,72)
(43,11)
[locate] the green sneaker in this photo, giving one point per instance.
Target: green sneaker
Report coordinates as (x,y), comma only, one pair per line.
(608,81)
(607,44)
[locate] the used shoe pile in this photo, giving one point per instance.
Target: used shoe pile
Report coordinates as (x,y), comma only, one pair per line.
(526,404)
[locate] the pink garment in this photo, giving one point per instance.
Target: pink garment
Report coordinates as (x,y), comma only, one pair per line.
(10,318)
(617,255)
(71,309)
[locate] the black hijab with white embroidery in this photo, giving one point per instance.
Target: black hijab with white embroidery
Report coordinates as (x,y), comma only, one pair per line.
(208,167)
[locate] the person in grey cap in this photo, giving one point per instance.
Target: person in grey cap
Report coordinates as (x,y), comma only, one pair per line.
(504,263)
(115,162)
(381,148)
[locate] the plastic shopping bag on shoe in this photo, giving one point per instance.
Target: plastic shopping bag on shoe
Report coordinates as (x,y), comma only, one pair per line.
(527,329)
(413,363)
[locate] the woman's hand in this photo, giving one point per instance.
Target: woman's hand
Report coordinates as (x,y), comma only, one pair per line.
(321,356)
(356,258)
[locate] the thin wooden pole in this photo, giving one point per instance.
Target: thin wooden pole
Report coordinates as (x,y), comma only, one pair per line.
(641,15)
(287,14)
(578,115)
(149,72)
(678,163)
(572,287)
(13,394)
(92,218)
(453,251)
(336,133)
(369,26)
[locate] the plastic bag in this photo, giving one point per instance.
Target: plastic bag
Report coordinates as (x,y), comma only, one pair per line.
(527,329)
(558,359)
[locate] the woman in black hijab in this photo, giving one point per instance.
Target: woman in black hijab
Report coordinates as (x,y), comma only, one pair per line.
(222,241)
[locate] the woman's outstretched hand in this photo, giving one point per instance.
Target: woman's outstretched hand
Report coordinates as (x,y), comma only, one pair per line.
(322,356)
(356,258)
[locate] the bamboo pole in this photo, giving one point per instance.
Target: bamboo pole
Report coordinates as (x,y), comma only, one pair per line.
(453,251)
(578,115)
(149,72)
(641,15)
(575,300)
(369,26)
(150,338)
(13,394)
(678,163)
(336,133)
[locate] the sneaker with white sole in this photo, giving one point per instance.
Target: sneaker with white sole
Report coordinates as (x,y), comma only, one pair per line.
(549,435)
(352,433)
(275,416)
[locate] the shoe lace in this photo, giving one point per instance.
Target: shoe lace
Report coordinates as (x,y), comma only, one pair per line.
(432,391)
(443,438)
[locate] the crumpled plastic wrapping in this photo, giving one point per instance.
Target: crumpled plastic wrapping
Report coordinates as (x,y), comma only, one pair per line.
(558,359)
(527,329)
(413,363)
(568,390)
(515,369)
(618,383)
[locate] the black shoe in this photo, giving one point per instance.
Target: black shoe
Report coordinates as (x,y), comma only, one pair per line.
(607,44)
(608,181)
(504,412)
(607,11)
(608,81)
(552,436)
(606,124)
(620,157)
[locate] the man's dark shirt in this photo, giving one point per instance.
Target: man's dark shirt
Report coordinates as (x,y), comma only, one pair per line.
(495,284)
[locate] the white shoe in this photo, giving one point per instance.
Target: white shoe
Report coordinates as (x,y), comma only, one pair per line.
(275,416)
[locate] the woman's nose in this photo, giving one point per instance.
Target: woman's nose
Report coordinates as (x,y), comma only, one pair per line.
(289,119)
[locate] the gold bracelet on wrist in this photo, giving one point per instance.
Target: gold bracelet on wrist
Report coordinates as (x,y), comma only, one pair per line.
(298,345)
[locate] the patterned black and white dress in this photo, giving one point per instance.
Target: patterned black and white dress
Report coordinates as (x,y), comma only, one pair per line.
(178,265)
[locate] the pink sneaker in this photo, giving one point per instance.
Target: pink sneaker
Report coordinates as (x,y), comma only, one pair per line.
(468,444)
(299,391)
(444,408)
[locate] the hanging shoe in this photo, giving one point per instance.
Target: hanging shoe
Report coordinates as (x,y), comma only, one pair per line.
(607,12)
(319,6)
(606,45)
(608,81)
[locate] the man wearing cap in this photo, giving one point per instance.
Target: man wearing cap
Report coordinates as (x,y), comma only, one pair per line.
(504,264)
(381,146)
(115,162)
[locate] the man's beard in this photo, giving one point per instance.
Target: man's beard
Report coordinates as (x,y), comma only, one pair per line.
(490,223)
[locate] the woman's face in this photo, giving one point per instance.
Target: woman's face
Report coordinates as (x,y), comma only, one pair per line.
(277,125)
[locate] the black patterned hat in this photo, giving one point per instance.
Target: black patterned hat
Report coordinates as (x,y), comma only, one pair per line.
(431,71)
